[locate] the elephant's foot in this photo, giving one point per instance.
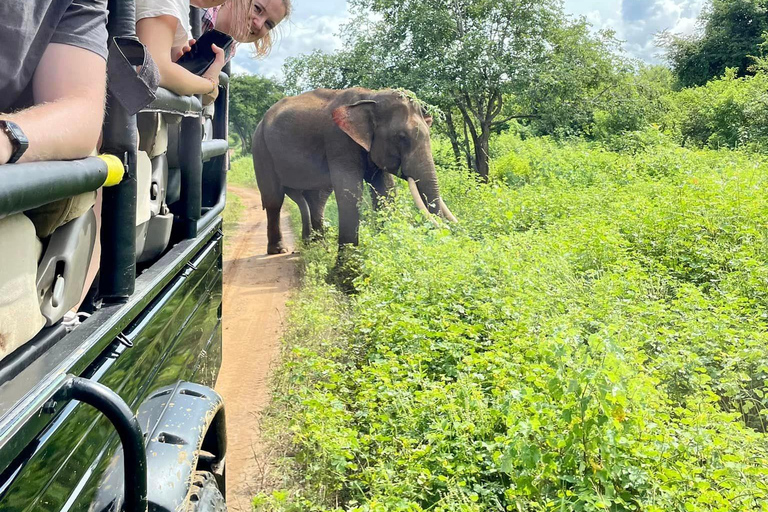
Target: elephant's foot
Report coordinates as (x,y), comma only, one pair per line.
(276,248)
(344,272)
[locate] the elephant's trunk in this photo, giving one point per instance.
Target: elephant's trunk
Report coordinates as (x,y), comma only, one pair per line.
(422,182)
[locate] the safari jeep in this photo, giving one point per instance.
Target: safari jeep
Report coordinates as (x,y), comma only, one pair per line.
(110,309)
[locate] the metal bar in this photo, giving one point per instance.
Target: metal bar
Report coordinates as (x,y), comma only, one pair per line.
(214,148)
(117,279)
(191,164)
(215,171)
(29,185)
(211,214)
(195,21)
(127,426)
(224,77)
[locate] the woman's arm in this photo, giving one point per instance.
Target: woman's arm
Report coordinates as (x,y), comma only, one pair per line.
(206,4)
(157,34)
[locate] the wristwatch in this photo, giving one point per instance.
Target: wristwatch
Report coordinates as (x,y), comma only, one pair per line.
(18,140)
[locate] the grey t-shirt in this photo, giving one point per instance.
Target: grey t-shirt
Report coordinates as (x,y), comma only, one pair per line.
(26,29)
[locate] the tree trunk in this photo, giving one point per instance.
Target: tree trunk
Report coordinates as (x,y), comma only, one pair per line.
(482,158)
(453,136)
(468,150)
(245,143)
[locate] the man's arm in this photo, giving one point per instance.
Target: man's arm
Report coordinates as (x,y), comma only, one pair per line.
(69,88)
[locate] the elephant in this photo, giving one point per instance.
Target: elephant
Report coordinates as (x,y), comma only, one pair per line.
(333,140)
(312,203)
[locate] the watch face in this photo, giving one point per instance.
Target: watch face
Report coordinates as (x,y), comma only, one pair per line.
(17,134)
(18,140)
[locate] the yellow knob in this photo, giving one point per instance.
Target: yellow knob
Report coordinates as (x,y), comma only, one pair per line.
(115,170)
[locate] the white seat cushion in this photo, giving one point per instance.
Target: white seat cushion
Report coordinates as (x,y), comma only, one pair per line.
(20,317)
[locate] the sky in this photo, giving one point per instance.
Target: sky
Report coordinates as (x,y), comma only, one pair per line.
(315,23)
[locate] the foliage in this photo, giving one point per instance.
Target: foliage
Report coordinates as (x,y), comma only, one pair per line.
(241,172)
(233,211)
(483,63)
(250,96)
(590,336)
(583,73)
(727,112)
(732,32)
(639,99)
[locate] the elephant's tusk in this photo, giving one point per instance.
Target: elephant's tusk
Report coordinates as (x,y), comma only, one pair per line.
(445,211)
(416,195)
(418,200)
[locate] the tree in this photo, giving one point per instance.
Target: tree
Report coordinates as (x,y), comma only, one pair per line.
(484,63)
(730,34)
(467,55)
(250,96)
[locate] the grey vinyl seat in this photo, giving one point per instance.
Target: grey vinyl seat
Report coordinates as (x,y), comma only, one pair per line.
(44,266)
(154,220)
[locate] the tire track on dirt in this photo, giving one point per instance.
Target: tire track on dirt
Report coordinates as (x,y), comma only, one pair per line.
(256,288)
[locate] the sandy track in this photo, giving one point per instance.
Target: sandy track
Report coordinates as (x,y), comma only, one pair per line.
(256,287)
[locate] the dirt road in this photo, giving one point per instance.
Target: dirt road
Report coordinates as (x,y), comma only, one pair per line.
(256,287)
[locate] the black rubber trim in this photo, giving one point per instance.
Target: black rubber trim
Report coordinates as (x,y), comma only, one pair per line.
(170,103)
(20,358)
(29,185)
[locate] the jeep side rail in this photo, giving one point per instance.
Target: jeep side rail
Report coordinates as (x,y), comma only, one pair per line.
(152,341)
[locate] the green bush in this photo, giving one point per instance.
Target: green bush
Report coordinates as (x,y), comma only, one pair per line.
(241,172)
(592,335)
(729,112)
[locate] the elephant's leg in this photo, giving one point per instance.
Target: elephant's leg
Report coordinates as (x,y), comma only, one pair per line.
(301,202)
(271,190)
(274,235)
(348,188)
(317,199)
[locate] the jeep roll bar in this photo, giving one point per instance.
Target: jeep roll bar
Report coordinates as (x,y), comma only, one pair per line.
(42,376)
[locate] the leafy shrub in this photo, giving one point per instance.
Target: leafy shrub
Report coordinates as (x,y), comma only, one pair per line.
(592,335)
(728,112)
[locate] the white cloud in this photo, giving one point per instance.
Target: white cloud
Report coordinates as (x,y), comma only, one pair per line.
(314,25)
(638,21)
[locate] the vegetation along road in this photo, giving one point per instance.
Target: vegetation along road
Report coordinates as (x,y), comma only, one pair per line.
(592,335)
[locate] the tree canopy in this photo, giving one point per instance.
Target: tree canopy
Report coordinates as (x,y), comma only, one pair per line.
(484,63)
(250,96)
(731,32)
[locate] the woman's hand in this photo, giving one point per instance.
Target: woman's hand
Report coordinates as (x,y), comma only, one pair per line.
(178,51)
(212,74)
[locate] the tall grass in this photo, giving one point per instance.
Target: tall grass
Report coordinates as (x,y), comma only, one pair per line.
(592,335)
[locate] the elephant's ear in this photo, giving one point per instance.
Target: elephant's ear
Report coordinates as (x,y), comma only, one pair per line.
(356,120)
